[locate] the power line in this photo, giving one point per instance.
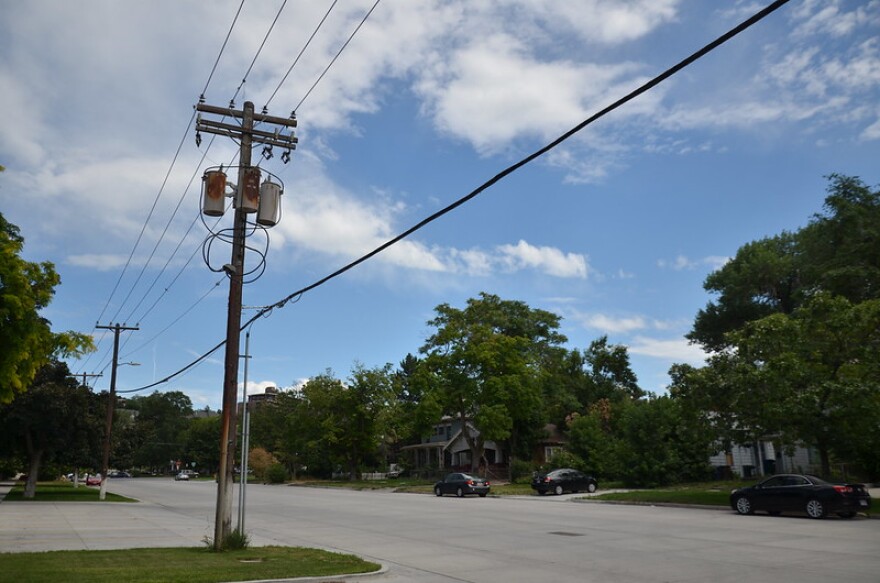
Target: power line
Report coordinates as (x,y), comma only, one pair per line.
(164,183)
(302,50)
(339,52)
(501,175)
(257,55)
(222,48)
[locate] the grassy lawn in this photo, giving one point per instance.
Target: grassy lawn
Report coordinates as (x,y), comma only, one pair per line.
(696,496)
(62,492)
(193,565)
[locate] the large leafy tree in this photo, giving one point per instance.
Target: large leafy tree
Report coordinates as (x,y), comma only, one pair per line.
(27,339)
(54,421)
(485,367)
(837,252)
(794,335)
(159,428)
(336,424)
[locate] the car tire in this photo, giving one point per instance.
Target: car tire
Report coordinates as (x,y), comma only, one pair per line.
(437,491)
(744,505)
(846,514)
(558,490)
(591,488)
(815,508)
(459,493)
(541,492)
(774,512)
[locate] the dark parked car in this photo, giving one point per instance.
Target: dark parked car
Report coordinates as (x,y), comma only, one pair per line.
(801,493)
(462,485)
(118,474)
(564,480)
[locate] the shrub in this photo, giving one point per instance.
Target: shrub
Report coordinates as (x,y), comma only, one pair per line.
(520,469)
(276,474)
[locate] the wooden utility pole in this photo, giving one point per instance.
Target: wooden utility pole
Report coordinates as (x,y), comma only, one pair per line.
(87,376)
(111,404)
(247,175)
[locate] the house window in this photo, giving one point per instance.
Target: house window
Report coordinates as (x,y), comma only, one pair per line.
(550,451)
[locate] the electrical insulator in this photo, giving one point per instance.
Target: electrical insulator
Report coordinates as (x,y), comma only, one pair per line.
(270,204)
(213,193)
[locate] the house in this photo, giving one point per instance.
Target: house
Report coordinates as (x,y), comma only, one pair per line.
(552,443)
(446,449)
(762,459)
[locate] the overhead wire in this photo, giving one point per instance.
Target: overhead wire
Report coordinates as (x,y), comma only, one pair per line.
(336,56)
(162,188)
(748,23)
(298,56)
(259,50)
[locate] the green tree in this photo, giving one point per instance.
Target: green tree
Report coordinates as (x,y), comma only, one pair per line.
(27,339)
(340,424)
(837,252)
(55,420)
(201,441)
(162,419)
(484,362)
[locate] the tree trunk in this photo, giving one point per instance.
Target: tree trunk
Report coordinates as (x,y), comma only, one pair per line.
(825,459)
(30,486)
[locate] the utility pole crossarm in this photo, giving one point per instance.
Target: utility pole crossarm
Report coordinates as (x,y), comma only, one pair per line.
(238,113)
(233,131)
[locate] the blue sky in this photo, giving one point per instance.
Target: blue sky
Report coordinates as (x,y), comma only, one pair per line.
(615,230)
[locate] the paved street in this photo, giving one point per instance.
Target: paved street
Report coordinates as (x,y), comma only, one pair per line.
(441,540)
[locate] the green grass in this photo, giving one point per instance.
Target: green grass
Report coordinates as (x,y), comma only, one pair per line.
(678,496)
(698,494)
(192,565)
(62,492)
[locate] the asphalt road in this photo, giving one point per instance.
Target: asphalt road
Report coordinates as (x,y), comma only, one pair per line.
(485,540)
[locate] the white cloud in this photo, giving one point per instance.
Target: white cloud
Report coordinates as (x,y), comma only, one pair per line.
(676,349)
(613,325)
(683,263)
(548,260)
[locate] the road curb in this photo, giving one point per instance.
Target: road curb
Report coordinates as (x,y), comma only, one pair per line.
(675,505)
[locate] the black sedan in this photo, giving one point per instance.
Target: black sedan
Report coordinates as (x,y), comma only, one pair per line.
(564,480)
(801,493)
(462,485)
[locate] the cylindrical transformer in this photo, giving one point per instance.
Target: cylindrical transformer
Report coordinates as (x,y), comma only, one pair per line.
(270,204)
(213,193)
(249,190)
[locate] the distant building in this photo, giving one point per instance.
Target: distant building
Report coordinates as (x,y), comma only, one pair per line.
(261,399)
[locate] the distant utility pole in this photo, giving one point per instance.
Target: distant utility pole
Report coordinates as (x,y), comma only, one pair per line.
(111,404)
(247,200)
(87,376)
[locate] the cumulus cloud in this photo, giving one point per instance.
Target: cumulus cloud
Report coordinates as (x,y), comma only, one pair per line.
(674,349)
(549,260)
(683,263)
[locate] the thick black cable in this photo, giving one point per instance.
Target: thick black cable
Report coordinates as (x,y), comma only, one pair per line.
(504,173)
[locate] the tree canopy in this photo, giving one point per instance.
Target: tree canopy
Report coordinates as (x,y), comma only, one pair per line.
(485,366)
(27,339)
(795,332)
(837,252)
